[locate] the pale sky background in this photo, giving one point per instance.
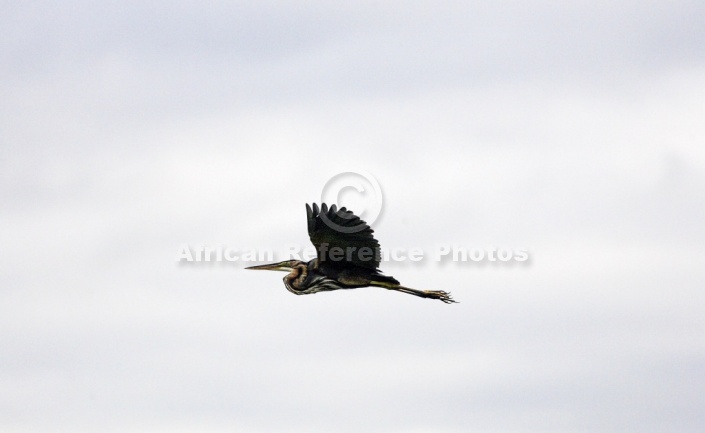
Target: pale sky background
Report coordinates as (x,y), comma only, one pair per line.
(575,130)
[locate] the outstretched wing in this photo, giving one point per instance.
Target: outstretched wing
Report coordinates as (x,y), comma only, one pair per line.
(342,238)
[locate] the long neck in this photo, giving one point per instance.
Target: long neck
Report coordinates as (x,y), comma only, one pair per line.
(294,279)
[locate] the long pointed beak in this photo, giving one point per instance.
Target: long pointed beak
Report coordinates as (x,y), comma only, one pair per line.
(271,267)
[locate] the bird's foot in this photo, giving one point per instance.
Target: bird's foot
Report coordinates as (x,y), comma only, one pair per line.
(440,294)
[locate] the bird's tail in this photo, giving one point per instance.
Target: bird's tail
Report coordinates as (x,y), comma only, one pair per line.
(431,294)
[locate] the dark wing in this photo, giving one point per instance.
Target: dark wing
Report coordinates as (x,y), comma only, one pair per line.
(341,238)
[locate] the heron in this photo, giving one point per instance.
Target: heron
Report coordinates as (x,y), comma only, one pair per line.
(347,257)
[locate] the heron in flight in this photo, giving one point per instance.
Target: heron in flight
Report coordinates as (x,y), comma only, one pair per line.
(347,257)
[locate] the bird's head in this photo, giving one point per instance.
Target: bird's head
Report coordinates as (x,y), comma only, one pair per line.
(286,266)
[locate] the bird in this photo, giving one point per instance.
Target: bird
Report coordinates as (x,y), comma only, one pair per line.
(347,257)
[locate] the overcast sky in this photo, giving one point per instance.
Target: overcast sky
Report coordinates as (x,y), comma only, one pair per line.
(575,131)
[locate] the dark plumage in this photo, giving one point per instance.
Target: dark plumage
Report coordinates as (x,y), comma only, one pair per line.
(347,257)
